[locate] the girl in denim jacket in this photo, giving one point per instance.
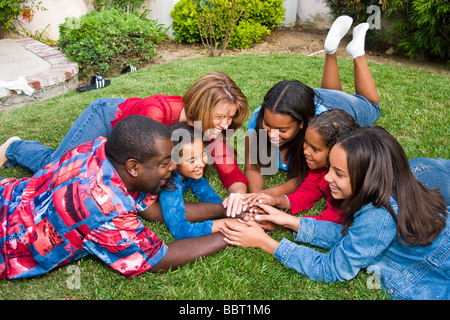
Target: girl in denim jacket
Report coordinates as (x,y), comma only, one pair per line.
(393,226)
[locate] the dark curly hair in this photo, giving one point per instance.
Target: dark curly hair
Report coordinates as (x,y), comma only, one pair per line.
(332,124)
(134,138)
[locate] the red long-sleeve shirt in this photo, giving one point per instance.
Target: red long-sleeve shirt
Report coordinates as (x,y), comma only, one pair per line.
(166,110)
(310,191)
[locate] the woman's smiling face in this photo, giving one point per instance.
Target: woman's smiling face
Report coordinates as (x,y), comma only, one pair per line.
(281,128)
(222,119)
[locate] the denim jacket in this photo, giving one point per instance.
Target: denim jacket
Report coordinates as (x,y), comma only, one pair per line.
(405,272)
(173,209)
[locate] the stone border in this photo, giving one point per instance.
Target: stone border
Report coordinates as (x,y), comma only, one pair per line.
(60,78)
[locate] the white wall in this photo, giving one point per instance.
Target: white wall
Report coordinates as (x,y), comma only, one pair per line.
(314,13)
(160,11)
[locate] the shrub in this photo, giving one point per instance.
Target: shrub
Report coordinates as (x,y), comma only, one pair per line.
(423,25)
(246,33)
(264,15)
(357,9)
(131,5)
(108,39)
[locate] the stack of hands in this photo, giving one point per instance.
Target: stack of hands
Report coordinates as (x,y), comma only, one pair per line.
(256,214)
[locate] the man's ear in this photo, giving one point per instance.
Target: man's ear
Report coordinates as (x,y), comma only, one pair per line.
(132,167)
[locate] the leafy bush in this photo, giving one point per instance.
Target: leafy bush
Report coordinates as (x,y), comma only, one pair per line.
(246,33)
(419,25)
(132,5)
(109,39)
(423,25)
(264,15)
(357,9)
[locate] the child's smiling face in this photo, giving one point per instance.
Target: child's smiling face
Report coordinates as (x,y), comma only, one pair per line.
(281,128)
(193,159)
(338,176)
(315,149)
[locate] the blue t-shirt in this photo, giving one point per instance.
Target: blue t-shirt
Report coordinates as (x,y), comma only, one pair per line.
(173,208)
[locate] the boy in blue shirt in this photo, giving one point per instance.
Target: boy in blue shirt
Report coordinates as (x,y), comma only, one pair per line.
(191,158)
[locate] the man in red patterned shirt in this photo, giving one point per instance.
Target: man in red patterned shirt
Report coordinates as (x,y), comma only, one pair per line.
(88,202)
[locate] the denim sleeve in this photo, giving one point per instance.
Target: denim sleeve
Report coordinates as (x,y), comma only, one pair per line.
(371,233)
(173,211)
(319,233)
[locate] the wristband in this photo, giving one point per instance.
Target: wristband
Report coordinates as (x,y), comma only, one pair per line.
(289,203)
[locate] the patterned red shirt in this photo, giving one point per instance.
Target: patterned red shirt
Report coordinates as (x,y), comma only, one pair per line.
(69,209)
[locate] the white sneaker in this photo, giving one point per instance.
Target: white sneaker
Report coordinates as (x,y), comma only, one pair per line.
(3,148)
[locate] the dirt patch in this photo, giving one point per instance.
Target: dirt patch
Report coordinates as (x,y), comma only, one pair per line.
(295,40)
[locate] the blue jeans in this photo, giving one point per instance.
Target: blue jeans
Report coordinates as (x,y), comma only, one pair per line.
(364,111)
(433,173)
(94,122)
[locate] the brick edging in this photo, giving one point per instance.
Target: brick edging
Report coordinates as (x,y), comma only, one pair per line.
(61,69)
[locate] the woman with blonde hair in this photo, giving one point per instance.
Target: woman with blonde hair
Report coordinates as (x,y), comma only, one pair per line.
(214,99)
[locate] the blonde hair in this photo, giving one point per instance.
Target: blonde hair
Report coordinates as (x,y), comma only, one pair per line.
(208,92)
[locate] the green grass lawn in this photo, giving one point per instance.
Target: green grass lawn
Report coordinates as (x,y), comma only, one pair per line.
(415,110)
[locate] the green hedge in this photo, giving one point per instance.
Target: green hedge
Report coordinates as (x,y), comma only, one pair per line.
(259,18)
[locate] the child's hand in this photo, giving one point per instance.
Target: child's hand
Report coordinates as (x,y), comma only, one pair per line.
(266,225)
(252,198)
(234,204)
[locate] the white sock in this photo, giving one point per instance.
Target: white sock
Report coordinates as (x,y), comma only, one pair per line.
(337,31)
(356,47)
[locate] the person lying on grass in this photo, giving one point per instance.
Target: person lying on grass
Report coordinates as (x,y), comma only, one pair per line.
(214,100)
(287,107)
(393,224)
(87,203)
(191,158)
